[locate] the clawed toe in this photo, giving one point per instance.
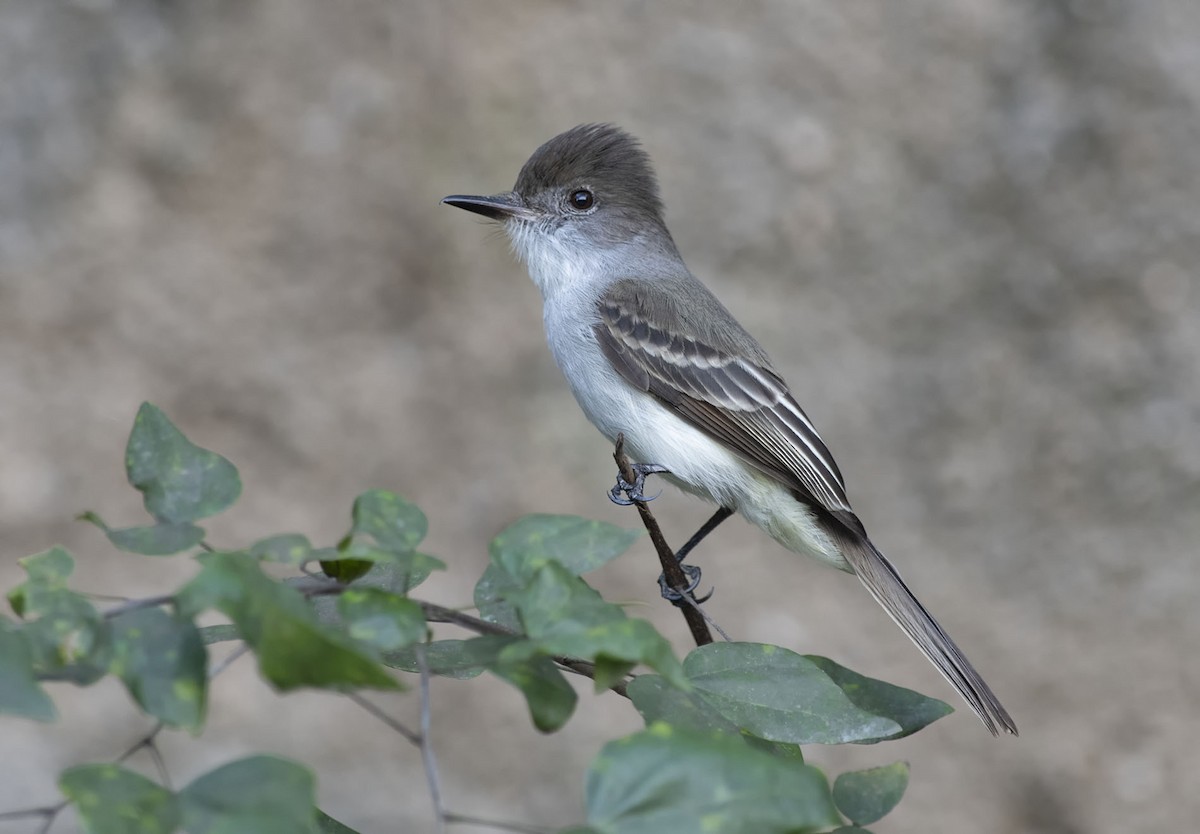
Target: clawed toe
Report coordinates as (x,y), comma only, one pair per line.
(676,597)
(626,494)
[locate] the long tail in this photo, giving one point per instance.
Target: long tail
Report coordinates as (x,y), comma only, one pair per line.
(889,590)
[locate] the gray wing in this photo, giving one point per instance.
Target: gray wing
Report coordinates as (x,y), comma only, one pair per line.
(734,398)
(721,383)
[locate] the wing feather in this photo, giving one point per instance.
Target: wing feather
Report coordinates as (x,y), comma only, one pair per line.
(736,400)
(729,392)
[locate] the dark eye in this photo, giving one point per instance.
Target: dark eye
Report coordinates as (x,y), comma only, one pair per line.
(581,200)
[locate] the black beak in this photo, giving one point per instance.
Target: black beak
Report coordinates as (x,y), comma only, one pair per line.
(496,207)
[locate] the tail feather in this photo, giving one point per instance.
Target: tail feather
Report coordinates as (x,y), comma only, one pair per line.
(889,590)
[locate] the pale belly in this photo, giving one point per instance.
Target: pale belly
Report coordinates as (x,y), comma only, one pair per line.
(697,464)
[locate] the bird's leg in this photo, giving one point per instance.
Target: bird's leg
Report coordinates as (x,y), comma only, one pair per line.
(691,571)
(627,494)
(713,523)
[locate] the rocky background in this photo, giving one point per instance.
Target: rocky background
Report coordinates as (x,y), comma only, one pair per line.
(967,230)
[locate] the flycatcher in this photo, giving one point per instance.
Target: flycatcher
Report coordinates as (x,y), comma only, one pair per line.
(650,353)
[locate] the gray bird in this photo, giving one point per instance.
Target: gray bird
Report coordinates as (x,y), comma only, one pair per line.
(651,354)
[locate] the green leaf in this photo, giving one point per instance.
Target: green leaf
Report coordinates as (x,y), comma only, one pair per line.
(669,781)
(179,481)
(459,659)
(258,795)
(563,616)
(47,570)
(293,649)
(219,633)
(69,640)
(19,690)
(113,800)
(414,567)
(550,699)
(910,710)
(51,567)
(779,695)
(380,618)
(163,663)
(328,825)
(393,522)
(345,570)
(288,549)
(869,795)
(402,575)
(578,544)
(656,700)
(157,539)
(491,597)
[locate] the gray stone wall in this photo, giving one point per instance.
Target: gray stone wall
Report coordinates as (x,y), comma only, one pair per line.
(968,232)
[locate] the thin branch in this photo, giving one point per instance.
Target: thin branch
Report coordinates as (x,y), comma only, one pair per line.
(687,598)
(144,741)
(413,738)
(463,819)
(137,605)
(149,742)
(50,812)
(588,670)
(227,661)
(438,614)
(676,578)
(427,756)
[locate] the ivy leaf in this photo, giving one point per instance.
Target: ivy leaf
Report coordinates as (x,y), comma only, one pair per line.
(113,800)
(461,659)
(20,693)
(491,597)
(550,699)
(578,544)
(669,781)
(288,549)
(563,616)
(778,695)
(51,567)
(293,649)
(69,640)
(219,633)
(157,539)
(328,825)
(179,481)
(380,618)
(258,795)
(656,700)
(869,795)
(393,522)
(355,560)
(910,710)
(163,663)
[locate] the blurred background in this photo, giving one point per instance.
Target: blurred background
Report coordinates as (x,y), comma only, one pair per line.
(967,231)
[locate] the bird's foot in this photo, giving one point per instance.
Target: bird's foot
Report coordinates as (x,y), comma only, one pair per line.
(625,493)
(677,597)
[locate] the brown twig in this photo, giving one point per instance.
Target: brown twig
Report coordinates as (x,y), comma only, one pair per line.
(676,579)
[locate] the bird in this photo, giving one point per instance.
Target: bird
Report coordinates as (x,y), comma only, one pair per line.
(652,355)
